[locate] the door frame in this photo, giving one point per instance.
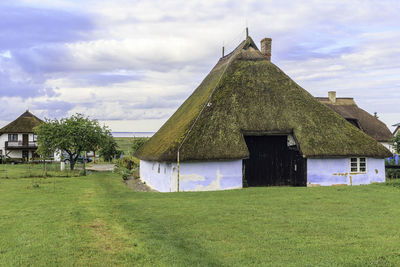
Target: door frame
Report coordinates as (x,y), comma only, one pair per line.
(296,147)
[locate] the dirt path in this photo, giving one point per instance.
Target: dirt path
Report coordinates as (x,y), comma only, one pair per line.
(101,167)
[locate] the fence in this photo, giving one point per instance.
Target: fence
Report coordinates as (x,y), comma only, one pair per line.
(41,169)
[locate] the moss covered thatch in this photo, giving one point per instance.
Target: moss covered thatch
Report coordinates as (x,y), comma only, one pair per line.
(253,96)
(23,124)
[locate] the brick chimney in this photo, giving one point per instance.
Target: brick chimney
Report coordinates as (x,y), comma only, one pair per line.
(332,96)
(266,48)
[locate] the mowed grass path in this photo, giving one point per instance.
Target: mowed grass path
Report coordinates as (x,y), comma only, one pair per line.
(97,221)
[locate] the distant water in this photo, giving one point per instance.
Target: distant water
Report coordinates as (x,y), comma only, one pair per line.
(132,134)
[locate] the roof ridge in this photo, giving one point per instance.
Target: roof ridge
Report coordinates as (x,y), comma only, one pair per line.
(244,45)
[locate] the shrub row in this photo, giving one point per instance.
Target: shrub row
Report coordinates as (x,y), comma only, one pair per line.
(392,173)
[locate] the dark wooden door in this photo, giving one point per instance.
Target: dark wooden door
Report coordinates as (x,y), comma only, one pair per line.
(272,162)
(25,155)
(25,140)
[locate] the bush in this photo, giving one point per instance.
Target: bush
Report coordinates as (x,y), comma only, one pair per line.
(127,162)
(127,166)
(392,160)
(124,172)
(392,173)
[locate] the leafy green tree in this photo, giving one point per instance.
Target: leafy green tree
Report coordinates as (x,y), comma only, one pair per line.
(46,139)
(48,147)
(72,135)
(396,142)
(97,138)
(109,149)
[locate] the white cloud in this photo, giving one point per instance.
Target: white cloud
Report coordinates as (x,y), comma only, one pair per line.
(139,60)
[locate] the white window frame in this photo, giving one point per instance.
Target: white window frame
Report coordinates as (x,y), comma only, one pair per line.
(10,139)
(34,139)
(359,162)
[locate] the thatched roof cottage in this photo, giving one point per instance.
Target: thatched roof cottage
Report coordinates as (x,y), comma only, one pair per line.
(17,139)
(248,123)
(397,130)
(369,124)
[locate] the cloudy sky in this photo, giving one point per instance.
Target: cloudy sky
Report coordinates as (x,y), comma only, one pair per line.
(130,64)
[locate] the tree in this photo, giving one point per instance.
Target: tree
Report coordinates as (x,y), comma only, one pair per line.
(72,135)
(396,142)
(109,149)
(48,148)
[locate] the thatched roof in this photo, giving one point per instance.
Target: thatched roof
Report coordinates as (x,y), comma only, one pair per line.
(397,130)
(247,94)
(348,109)
(23,124)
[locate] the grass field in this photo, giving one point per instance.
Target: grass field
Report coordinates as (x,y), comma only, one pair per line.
(124,143)
(97,221)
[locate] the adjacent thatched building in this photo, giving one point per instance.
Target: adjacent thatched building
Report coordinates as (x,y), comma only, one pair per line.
(17,139)
(369,124)
(397,130)
(248,123)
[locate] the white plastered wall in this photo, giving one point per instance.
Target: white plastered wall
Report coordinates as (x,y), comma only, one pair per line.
(15,153)
(193,176)
(336,171)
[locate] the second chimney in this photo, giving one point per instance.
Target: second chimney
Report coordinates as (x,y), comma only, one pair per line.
(266,48)
(332,96)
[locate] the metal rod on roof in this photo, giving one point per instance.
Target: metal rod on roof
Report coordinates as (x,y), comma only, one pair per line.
(247,32)
(223,51)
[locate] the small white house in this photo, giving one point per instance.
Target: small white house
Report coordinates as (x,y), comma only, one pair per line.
(17,139)
(249,124)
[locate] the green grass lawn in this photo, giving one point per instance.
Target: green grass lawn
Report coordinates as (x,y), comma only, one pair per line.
(97,221)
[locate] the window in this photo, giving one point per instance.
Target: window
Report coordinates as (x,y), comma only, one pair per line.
(12,137)
(358,165)
(34,138)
